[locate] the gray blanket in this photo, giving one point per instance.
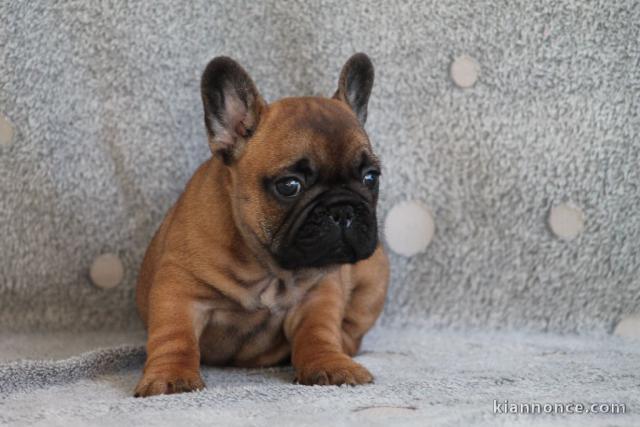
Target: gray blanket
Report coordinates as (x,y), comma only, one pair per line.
(104,97)
(422,378)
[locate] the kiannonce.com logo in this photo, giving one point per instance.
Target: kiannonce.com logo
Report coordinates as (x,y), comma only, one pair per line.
(507,407)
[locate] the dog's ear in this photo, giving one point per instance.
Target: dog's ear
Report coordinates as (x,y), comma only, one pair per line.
(354,86)
(232,106)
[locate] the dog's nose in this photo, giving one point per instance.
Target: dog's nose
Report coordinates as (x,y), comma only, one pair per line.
(342,215)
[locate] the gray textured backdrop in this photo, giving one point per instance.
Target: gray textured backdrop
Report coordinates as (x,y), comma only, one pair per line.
(105,100)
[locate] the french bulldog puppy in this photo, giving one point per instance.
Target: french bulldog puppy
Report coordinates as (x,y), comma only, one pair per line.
(271,253)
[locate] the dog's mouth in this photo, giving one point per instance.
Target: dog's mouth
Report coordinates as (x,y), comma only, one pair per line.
(336,230)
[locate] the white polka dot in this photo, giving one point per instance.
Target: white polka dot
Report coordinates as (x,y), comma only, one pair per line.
(629,327)
(6,131)
(566,221)
(409,228)
(107,271)
(464,71)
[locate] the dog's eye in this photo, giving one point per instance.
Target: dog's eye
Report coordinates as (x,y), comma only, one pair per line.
(370,179)
(289,187)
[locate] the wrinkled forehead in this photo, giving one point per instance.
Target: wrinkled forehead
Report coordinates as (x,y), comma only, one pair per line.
(324,131)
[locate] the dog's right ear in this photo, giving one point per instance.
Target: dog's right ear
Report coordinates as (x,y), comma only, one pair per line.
(232,106)
(354,86)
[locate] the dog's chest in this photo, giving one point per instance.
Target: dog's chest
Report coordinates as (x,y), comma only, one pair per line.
(250,332)
(278,295)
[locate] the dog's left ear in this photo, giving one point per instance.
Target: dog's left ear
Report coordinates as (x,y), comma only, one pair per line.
(354,86)
(232,106)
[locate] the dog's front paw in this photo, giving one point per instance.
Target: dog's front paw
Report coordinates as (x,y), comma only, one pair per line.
(333,370)
(168,383)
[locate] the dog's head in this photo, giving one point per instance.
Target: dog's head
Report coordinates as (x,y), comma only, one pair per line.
(303,178)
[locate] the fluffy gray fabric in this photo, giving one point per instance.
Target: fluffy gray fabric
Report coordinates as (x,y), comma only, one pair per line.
(422,378)
(105,100)
(106,104)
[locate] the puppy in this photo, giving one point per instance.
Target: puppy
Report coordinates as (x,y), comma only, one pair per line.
(271,254)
